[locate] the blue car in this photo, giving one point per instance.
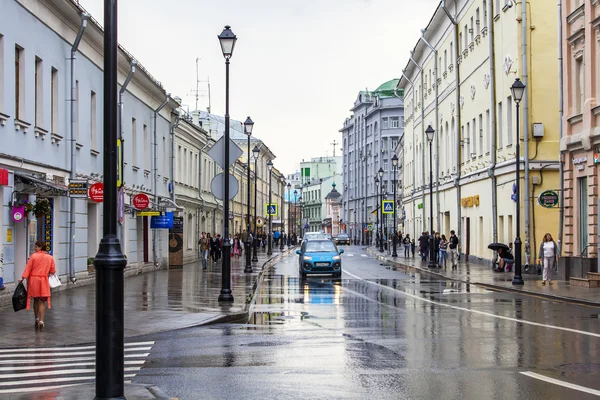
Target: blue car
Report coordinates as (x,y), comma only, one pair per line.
(319,257)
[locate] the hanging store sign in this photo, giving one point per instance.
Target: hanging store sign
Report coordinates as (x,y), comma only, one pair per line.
(548,199)
(141,201)
(78,188)
(96,192)
(148,213)
(18,212)
(162,221)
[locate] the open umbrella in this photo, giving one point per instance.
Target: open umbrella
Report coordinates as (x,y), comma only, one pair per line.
(497,246)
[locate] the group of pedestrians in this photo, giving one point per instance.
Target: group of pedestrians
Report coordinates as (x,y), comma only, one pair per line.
(441,247)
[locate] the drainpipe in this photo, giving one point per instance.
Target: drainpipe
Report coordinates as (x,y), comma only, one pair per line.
(422,136)
(492,168)
(172,183)
(154,232)
(561,172)
(73,175)
(457,122)
(120,125)
(412,86)
(524,78)
(437,128)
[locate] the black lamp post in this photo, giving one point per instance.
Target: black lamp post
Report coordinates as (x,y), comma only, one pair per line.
(301,216)
(227,40)
(381,189)
(377,210)
(363,228)
(109,260)
(281,233)
(295,211)
(518,89)
(432,259)
(248,126)
(255,153)
(394,237)
(270,233)
(289,239)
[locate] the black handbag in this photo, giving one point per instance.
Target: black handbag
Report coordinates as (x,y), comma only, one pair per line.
(538,269)
(19,298)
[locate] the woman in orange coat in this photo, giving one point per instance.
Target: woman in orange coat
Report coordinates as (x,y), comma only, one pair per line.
(39,267)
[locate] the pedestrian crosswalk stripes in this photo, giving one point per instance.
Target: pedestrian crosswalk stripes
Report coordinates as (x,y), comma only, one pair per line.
(33,369)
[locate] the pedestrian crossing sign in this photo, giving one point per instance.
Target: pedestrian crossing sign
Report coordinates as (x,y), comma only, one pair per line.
(387,206)
(271,209)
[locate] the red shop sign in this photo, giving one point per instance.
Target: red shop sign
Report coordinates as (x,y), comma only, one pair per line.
(141,201)
(96,192)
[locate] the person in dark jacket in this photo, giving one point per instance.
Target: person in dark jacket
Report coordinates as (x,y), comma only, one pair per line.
(424,246)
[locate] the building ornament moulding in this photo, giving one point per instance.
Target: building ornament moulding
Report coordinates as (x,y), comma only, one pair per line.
(21,125)
(578,13)
(451,67)
(596,25)
(576,40)
(462,101)
(486,80)
(506,66)
(484,31)
(452,107)
(3,119)
(473,91)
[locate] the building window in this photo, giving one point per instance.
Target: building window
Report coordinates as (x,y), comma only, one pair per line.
(179,160)
(466,44)
(500,131)
(395,122)
(39,92)
(480,134)
(184,170)
(384,122)
(92,120)
(485,14)
(578,85)
(54,101)
(445,60)
(1,72)
(459,42)
(467,142)
(402,121)
(497,7)
(164,156)
(474,138)
(477,20)
(583,214)
(147,149)
(19,83)
(134,142)
(509,123)
(462,138)
(472,30)
(487,127)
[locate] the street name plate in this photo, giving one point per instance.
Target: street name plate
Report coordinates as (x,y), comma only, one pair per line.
(217,152)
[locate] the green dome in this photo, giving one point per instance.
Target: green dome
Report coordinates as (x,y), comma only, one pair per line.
(387,88)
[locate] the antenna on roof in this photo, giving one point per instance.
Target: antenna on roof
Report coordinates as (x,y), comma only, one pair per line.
(334,144)
(196,92)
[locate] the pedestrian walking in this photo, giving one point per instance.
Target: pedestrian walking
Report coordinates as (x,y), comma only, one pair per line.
(39,267)
(548,257)
(424,246)
(412,247)
(204,243)
(436,248)
(237,247)
(454,246)
(406,243)
(443,257)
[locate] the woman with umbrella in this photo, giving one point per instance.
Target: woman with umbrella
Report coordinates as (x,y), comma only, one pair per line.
(505,257)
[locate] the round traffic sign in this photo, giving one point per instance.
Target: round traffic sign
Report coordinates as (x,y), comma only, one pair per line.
(140,201)
(96,192)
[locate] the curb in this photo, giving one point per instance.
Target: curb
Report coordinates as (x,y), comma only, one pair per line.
(497,288)
(158,393)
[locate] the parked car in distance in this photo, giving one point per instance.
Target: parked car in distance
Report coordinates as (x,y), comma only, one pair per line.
(342,238)
(319,257)
(315,236)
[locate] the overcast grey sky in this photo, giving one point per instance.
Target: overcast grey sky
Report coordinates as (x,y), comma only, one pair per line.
(297,65)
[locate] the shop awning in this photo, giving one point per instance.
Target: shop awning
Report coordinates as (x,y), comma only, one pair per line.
(39,186)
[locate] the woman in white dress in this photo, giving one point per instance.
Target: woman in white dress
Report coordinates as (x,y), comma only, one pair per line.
(548,257)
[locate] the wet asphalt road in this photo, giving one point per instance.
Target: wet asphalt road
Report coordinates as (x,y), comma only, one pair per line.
(380,334)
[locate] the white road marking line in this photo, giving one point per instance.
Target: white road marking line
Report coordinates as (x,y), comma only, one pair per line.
(522,321)
(58,372)
(78,364)
(350,255)
(31,349)
(561,383)
(38,389)
(50,360)
(363,255)
(74,353)
(50,380)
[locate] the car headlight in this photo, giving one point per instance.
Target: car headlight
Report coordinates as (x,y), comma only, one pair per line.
(336,257)
(307,258)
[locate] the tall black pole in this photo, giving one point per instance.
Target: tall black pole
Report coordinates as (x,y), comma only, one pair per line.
(432,257)
(248,267)
(282,219)
(255,245)
(380,216)
(109,261)
(394,231)
(288,217)
(295,211)
(226,295)
(518,278)
(270,233)
(366,198)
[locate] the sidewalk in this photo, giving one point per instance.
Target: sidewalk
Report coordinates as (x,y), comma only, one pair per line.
(155,301)
(484,276)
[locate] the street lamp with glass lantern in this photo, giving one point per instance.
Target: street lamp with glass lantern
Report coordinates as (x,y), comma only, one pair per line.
(380,227)
(281,217)
(295,211)
(394,237)
(248,126)
(430,132)
(377,210)
(270,233)
(518,90)
(227,40)
(301,216)
(255,153)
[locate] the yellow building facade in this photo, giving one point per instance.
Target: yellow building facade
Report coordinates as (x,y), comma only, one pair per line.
(458,81)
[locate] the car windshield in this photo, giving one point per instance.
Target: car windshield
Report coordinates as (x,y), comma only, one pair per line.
(342,235)
(321,246)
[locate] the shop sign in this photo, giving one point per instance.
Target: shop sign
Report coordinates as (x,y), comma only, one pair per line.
(580,162)
(141,201)
(18,212)
(78,188)
(148,214)
(548,199)
(97,192)
(162,221)
(470,201)
(9,235)
(596,156)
